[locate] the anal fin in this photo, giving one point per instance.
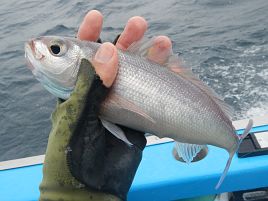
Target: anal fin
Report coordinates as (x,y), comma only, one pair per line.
(188,151)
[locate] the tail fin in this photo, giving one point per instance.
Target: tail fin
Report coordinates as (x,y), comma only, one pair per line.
(241,137)
(246,131)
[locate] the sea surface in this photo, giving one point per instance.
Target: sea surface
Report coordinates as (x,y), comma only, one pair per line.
(225,42)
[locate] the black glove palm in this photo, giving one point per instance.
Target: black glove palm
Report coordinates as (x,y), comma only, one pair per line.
(95,157)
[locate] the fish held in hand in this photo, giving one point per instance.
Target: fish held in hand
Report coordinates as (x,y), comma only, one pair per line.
(145,96)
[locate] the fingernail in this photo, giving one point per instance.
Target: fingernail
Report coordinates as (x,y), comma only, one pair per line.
(104,53)
(158,54)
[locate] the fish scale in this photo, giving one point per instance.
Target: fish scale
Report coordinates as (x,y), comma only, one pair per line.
(145,96)
(163,80)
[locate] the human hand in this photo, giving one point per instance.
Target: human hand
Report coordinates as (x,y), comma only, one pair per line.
(81,152)
(134,30)
(121,162)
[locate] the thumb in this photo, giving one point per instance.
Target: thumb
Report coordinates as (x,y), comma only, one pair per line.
(105,63)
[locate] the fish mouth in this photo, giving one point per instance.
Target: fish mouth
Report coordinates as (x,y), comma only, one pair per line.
(32,54)
(31,45)
(29,51)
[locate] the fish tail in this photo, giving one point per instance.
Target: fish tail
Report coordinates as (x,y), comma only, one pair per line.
(231,155)
(246,132)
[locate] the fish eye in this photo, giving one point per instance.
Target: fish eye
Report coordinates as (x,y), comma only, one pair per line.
(55,49)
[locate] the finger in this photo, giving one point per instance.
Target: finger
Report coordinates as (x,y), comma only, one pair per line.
(161,50)
(90,28)
(134,31)
(105,63)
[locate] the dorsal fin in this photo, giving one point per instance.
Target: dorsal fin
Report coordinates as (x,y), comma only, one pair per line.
(141,46)
(227,109)
(175,64)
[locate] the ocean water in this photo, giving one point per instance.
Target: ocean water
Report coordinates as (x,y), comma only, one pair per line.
(224,41)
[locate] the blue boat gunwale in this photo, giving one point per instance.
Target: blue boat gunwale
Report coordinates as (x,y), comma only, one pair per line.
(167,180)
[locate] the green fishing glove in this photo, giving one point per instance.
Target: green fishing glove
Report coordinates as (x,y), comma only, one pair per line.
(84,161)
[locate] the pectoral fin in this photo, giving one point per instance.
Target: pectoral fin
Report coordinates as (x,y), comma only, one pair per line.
(116,131)
(130,106)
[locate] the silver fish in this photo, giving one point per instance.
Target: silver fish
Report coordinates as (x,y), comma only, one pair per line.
(145,96)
